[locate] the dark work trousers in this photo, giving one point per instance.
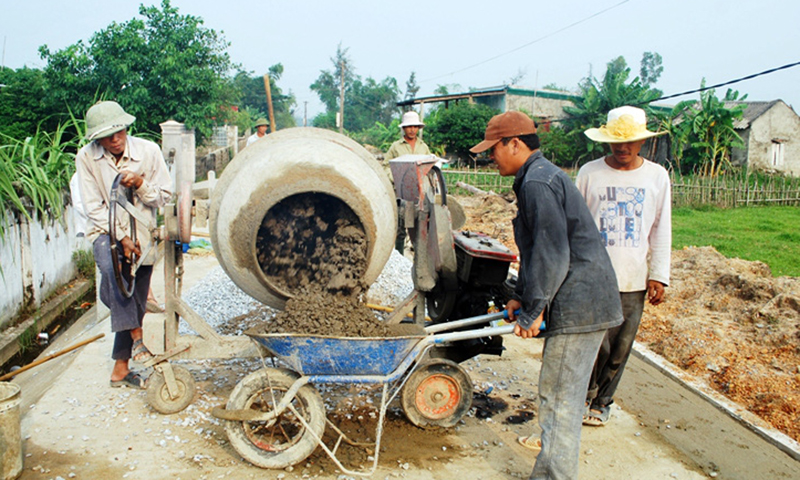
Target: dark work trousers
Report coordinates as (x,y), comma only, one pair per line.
(126,313)
(615,350)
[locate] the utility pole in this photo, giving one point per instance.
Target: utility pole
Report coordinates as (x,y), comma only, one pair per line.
(269,103)
(341,99)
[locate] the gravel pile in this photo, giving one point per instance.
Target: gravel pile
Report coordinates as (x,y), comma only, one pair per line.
(227,309)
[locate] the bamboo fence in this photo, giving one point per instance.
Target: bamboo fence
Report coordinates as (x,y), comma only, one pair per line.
(723,191)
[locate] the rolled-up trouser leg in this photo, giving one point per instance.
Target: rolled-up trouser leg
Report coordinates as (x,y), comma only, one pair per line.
(126,313)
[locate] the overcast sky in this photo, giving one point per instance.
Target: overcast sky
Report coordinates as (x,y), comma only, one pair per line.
(468,43)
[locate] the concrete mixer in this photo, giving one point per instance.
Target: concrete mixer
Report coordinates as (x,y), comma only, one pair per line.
(304,205)
(308,206)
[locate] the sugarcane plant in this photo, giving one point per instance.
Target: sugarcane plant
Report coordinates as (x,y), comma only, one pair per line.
(35,173)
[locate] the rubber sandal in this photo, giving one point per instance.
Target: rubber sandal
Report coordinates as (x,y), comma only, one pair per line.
(530,444)
(597,416)
(133,380)
(140,353)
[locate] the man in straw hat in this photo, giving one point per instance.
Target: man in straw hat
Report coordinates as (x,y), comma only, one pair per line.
(110,152)
(566,283)
(261,131)
(629,199)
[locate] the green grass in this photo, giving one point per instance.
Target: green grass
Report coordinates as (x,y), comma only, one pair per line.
(767,234)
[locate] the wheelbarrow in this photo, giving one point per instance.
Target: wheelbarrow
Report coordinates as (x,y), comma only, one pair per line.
(276,418)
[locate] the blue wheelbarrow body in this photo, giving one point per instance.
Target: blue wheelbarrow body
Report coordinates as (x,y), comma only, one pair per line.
(315,355)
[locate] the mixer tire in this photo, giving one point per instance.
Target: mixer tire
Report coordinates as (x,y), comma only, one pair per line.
(158,394)
(437,394)
(282,442)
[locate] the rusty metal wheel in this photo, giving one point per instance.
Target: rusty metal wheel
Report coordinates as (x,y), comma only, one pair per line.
(437,394)
(283,441)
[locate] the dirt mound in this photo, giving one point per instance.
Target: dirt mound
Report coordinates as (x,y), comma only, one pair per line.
(731,323)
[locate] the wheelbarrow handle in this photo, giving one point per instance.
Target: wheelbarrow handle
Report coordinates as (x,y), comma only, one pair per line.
(470,334)
(468,322)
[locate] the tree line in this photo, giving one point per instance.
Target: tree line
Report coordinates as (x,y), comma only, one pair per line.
(169,65)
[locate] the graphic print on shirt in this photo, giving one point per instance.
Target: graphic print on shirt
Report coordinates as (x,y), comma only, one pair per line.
(621,216)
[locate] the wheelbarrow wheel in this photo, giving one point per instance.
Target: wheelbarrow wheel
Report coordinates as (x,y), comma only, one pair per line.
(281,442)
(158,394)
(437,394)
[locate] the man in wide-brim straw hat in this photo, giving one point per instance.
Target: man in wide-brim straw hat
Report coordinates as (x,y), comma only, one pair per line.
(629,198)
(261,130)
(110,152)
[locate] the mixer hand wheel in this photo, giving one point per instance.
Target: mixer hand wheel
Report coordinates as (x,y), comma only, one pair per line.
(125,276)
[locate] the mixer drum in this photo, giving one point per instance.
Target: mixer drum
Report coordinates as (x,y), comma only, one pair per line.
(303,205)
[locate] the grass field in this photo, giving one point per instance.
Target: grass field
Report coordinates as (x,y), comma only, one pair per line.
(768,234)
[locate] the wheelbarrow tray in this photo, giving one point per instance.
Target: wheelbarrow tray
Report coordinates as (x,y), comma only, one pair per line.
(326,355)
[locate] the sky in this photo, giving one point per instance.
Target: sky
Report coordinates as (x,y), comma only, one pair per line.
(463,44)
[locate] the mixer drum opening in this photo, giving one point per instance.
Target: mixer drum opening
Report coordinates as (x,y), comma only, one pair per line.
(312,240)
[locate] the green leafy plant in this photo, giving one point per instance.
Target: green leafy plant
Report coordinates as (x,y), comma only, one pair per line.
(458,128)
(35,172)
(84,262)
(165,65)
(702,133)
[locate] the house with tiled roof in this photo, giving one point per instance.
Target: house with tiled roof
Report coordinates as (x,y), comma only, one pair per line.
(771,135)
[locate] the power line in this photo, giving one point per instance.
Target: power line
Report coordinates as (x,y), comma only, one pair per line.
(688,92)
(730,82)
(529,43)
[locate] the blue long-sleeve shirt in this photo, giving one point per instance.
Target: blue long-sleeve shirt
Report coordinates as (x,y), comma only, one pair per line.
(565,270)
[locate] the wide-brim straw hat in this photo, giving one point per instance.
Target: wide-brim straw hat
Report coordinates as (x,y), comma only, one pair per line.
(624,124)
(411,119)
(104,119)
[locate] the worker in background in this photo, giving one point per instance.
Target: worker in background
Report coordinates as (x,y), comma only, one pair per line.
(261,131)
(566,283)
(111,152)
(629,198)
(410,144)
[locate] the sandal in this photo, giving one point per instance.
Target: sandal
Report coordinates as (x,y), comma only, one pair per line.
(133,380)
(140,353)
(531,444)
(597,416)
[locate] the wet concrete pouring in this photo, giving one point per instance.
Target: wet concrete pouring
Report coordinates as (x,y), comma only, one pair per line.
(315,248)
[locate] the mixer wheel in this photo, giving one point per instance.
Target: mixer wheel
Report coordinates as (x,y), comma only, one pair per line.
(437,394)
(158,394)
(280,442)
